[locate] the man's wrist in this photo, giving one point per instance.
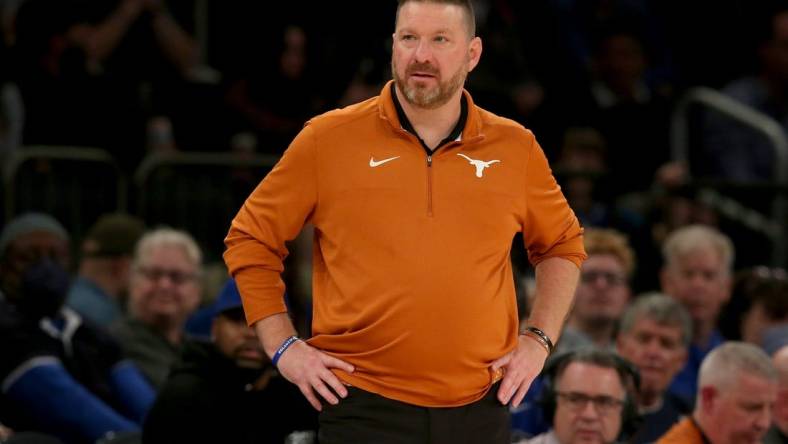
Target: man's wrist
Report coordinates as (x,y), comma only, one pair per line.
(539,336)
(282,348)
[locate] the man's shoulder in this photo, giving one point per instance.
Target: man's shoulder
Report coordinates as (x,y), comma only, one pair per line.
(683,432)
(544,438)
(22,340)
(340,117)
(494,125)
(752,91)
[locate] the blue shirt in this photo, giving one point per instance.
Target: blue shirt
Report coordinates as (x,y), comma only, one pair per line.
(685,384)
(87,299)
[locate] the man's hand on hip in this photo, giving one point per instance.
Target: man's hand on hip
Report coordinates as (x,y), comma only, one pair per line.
(521,366)
(309,369)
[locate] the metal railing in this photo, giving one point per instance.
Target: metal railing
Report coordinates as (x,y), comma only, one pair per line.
(62,179)
(758,122)
(198,191)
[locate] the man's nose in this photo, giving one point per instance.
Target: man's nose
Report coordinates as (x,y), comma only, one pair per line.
(249,332)
(423,51)
(652,348)
(764,419)
(589,410)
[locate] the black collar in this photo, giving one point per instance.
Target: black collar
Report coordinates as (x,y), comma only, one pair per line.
(702,433)
(407,126)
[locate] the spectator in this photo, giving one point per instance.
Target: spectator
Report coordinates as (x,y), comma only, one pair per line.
(620,103)
(581,167)
(778,433)
(736,152)
(227,386)
(590,400)
(697,272)
(92,72)
(100,290)
(277,114)
(655,335)
(164,292)
(759,303)
(737,387)
(603,292)
(59,375)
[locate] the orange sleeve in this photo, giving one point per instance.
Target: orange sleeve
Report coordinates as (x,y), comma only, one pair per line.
(550,227)
(273,214)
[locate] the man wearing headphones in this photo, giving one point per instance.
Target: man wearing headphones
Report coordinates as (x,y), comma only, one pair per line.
(586,397)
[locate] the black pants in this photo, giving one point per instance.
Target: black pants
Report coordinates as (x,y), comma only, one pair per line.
(364,417)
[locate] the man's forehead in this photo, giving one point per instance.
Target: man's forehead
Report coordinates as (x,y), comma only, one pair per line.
(602,261)
(648,323)
(166,254)
(707,253)
(590,378)
(751,387)
(436,17)
(39,238)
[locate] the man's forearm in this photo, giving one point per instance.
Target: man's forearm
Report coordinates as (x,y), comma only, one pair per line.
(273,330)
(178,46)
(107,35)
(556,281)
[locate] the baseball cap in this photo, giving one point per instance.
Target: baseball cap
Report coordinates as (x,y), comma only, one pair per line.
(229,298)
(28,223)
(113,234)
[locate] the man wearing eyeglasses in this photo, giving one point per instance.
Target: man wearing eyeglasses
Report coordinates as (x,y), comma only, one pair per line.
(603,292)
(164,291)
(587,399)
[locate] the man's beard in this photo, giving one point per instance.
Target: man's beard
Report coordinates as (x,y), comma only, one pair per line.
(247,362)
(426,97)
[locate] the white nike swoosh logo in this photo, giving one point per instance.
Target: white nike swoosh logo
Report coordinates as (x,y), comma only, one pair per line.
(374,163)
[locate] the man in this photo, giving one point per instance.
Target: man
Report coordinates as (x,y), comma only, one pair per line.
(600,299)
(415,197)
(778,433)
(58,374)
(105,269)
(603,292)
(762,302)
(737,388)
(227,386)
(655,334)
(697,273)
(737,152)
(165,291)
(587,398)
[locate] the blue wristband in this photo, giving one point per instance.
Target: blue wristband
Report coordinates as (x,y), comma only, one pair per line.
(285,345)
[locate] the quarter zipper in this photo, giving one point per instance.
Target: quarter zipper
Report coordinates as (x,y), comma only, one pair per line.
(429,185)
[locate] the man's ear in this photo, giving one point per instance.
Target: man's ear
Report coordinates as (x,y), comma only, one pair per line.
(708,397)
(665,281)
(728,289)
(213,329)
(474,52)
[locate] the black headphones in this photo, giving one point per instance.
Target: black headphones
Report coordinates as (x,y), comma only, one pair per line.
(627,372)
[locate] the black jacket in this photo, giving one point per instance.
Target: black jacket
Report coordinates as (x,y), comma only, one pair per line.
(207,398)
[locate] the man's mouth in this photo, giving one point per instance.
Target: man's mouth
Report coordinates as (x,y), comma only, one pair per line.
(422,75)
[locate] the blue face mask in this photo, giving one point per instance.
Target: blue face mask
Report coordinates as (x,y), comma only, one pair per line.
(43,289)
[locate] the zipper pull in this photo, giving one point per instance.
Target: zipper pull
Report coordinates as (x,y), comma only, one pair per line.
(429,160)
